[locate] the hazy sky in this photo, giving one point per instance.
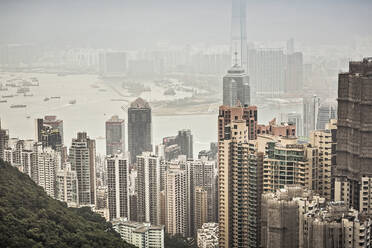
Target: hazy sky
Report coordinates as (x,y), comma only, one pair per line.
(139,23)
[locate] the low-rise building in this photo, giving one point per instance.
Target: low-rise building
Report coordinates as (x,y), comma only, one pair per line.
(142,235)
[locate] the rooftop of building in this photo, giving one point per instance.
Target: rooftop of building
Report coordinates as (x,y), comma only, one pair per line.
(115,119)
(139,103)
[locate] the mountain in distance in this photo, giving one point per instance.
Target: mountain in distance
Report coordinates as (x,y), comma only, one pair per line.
(30,218)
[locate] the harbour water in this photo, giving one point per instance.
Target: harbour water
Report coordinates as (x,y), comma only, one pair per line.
(93,107)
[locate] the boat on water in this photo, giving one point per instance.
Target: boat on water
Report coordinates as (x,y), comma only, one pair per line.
(23,90)
(8,96)
(170,92)
(2,88)
(72,102)
(46,99)
(18,106)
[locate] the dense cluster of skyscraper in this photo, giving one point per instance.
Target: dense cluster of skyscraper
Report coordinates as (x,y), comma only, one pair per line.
(258,206)
(262,184)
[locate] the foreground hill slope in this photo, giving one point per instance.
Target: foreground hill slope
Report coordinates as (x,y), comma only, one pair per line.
(29,218)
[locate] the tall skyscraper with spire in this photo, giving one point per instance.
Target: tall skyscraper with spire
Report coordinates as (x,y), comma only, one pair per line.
(239,32)
(236,87)
(236,82)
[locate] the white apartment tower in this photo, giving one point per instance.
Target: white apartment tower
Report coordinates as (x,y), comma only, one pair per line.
(118,186)
(148,184)
(67,186)
(176,202)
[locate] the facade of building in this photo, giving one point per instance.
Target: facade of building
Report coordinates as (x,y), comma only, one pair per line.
(294,73)
(141,235)
(266,68)
(236,87)
(310,114)
(181,144)
(82,157)
(115,135)
(327,111)
(139,128)
(288,163)
(207,236)
(148,188)
(176,217)
(228,114)
(240,173)
(283,130)
(48,161)
(280,216)
(113,63)
(185,141)
(354,131)
(55,123)
(4,137)
(49,135)
(118,186)
(325,141)
(67,186)
(295,119)
(200,207)
(296,217)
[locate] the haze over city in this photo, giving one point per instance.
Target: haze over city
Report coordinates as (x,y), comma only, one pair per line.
(224,123)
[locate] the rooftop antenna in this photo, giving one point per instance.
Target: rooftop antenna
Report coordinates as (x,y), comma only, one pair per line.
(235,57)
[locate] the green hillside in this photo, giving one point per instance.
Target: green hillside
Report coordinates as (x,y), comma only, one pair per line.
(29,218)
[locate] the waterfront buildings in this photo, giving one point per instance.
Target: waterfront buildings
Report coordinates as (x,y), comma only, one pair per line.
(294,73)
(113,64)
(266,69)
(118,186)
(139,128)
(115,135)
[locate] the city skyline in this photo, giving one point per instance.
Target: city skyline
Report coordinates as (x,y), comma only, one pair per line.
(231,124)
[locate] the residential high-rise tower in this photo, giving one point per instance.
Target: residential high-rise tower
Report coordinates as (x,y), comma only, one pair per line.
(139,128)
(82,158)
(115,135)
(118,186)
(354,132)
